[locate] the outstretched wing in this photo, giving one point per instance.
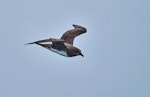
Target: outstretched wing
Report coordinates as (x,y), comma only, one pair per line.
(56,43)
(71,34)
(47,40)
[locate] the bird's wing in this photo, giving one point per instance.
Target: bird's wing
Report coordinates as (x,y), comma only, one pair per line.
(71,34)
(56,43)
(47,40)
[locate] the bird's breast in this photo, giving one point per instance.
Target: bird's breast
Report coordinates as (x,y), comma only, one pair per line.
(60,52)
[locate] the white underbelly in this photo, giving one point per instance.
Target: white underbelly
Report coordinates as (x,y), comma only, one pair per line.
(63,53)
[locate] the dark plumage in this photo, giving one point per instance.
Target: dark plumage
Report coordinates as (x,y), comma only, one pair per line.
(64,46)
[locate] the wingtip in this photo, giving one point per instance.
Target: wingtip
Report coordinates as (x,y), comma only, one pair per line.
(78,26)
(29,43)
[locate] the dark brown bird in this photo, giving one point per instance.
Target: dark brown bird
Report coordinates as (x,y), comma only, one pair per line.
(64,46)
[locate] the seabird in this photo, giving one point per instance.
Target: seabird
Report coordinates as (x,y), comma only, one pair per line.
(64,45)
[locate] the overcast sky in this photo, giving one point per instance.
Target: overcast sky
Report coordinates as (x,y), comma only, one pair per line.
(116,48)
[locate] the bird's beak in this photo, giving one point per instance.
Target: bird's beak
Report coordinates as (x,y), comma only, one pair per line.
(81,54)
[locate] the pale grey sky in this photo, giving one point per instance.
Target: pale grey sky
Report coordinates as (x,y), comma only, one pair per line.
(116,48)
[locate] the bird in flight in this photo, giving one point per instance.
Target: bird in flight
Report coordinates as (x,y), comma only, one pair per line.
(64,45)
